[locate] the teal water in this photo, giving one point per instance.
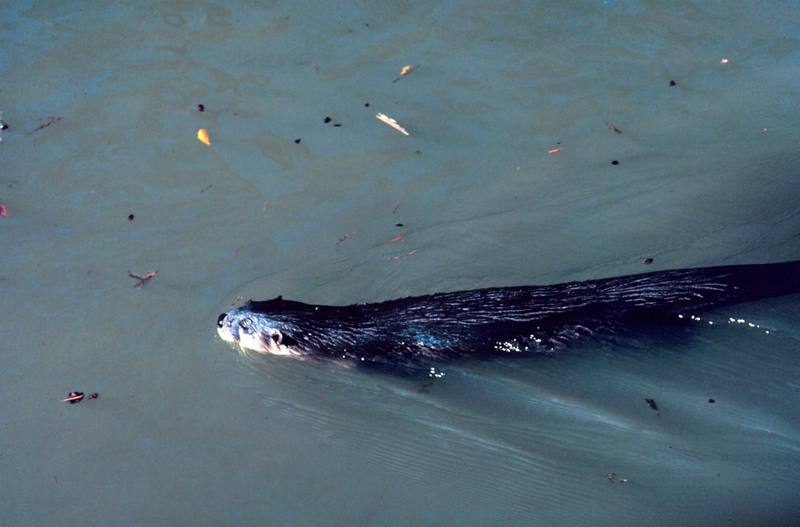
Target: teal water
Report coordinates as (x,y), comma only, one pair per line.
(187,431)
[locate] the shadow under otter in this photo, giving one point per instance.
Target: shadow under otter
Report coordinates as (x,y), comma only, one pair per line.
(409,334)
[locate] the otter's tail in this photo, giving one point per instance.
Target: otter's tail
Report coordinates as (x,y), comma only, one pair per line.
(705,287)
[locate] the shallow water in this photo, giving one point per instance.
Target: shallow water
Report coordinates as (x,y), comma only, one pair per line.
(187,430)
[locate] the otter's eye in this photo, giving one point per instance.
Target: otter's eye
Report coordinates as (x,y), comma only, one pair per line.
(277,337)
(220,319)
(247,325)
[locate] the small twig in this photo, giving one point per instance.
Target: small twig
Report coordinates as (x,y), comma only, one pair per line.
(143,278)
(76,397)
(44,123)
(346,237)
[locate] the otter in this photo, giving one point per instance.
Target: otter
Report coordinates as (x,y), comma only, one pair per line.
(413,333)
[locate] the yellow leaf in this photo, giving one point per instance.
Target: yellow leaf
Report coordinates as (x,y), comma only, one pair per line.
(203,137)
(405,70)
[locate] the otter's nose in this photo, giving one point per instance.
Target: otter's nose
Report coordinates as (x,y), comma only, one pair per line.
(221,319)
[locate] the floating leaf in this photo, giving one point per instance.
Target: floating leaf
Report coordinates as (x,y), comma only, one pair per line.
(391,122)
(405,70)
(203,137)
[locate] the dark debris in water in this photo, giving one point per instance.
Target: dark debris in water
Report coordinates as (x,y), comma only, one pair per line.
(76,397)
(47,122)
(346,237)
(614,478)
(142,278)
(652,403)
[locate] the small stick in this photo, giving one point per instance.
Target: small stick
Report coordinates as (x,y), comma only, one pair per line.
(143,278)
(76,397)
(44,123)
(346,237)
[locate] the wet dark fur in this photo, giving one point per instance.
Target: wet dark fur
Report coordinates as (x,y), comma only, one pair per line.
(426,330)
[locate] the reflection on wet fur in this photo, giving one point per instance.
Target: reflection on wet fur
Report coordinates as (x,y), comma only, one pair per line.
(414,333)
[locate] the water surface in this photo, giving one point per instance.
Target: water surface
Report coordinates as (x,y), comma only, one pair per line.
(188,431)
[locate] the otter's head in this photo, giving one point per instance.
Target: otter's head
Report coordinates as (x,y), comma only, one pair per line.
(272,326)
